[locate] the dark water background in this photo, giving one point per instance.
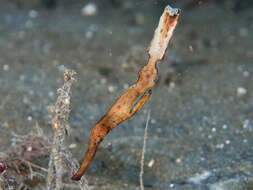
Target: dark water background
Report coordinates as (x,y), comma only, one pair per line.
(201,131)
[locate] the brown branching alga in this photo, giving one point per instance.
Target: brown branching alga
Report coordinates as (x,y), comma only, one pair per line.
(18,165)
(61,158)
(136,95)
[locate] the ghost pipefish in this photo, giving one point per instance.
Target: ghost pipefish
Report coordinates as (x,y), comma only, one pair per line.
(127,104)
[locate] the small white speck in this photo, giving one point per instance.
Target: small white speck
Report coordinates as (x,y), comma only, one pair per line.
(213,130)
(246,124)
(151,163)
(227,142)
(6,67)
(124,65)
(111,88)
(6,124)
(29,148)
(29,118)
(126,86)
(153,121)
(178,160)
(67,101)
(200,177)
(71,146)
(33,13)
(172,85)
(241,91)
(22,77)
(103,81)
(172,185)
(220,146)
(26,100)
(89,34)
(51,94)
(191,48)
(245,140)
(89,10)
(224,126)
(246,73)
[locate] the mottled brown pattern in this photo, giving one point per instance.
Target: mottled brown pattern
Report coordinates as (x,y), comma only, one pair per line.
(127,104)
(168,21)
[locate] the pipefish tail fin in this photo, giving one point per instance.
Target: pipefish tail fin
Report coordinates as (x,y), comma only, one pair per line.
(89,155)
(97,135)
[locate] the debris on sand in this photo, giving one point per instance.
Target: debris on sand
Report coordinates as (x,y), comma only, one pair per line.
(241,91)
(89,9)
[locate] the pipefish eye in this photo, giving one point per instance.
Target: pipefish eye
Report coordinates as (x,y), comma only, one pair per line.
(173,11)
